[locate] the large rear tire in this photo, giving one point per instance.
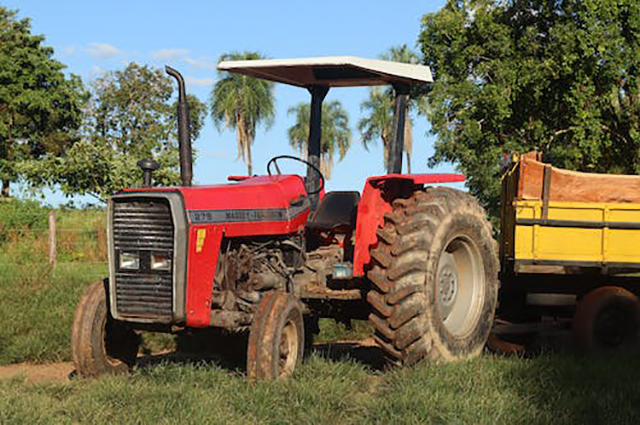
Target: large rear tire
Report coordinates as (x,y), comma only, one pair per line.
(435,278)
(276,338)
(605,318)
(100,344)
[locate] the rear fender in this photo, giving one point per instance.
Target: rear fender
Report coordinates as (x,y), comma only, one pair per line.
(377,198)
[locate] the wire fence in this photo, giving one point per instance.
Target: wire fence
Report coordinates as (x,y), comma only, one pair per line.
(57,241)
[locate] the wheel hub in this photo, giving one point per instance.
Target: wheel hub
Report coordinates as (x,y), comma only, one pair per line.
(448,284)
(288,350)
(460,281)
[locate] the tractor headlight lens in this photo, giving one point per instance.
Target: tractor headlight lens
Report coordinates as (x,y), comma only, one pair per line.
(160,262)
(129,260)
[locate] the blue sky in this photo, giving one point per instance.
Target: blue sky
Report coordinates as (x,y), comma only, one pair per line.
(93,36)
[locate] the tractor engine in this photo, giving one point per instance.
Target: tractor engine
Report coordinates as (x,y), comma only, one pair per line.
(248,268)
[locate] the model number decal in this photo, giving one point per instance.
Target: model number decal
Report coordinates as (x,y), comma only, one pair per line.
(246,215)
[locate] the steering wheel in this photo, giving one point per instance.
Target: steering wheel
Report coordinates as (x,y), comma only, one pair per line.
(274,161)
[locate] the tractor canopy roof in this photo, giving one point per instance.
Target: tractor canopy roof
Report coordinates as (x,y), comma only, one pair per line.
(331,71)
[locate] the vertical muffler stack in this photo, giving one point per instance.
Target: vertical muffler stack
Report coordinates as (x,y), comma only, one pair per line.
(184,139)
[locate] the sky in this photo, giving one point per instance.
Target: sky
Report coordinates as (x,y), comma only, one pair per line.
(91,37)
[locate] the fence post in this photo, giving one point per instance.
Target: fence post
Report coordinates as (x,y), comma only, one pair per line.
(52,237)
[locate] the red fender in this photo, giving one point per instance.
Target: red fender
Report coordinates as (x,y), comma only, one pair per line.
(377,196)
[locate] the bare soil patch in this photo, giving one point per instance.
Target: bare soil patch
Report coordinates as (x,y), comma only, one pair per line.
(38,373)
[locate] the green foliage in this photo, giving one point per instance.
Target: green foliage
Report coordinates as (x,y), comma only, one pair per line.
(18,216)
(380,106)
(242,103)
(40,108)
(130,117)
(336,134)
(559,77)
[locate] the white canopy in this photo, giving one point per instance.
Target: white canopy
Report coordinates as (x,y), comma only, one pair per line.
(333,71)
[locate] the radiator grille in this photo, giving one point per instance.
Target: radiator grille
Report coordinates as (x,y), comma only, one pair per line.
(143,226)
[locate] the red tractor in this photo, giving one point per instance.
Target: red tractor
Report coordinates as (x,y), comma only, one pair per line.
(272,254)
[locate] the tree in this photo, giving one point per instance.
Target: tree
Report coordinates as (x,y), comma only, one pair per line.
(378,124)
(336,134)
(40,108)
(560,77)
(130,117)
(242,103)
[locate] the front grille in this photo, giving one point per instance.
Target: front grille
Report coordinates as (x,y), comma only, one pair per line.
(143,226)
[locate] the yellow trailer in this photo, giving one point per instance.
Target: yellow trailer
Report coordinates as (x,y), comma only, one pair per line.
(558,217)
(573,234)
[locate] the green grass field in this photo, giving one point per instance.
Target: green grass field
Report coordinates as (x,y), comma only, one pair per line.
(488,390)
(333,386)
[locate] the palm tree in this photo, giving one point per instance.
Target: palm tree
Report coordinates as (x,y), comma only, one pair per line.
(336,134)
(242,103)
(378,124)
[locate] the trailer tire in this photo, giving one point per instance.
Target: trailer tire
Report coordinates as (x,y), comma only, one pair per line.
(605,318)
(434,278)
(276,337)
(99,344)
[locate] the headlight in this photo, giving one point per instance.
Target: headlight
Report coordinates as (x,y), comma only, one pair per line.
(129,260)
(160,262)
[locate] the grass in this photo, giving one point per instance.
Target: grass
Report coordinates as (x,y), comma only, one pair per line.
(488,390)
(37,300)
(37,309)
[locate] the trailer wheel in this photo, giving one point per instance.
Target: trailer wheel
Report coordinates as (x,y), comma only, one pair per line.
(605,318)
(276,338)
(434,277)
(100,344)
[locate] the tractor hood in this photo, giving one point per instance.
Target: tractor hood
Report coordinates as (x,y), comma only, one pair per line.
(256,201)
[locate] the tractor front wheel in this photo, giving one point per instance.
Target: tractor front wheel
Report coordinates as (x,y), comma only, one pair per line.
(276,338)
(100,344)
(435,278)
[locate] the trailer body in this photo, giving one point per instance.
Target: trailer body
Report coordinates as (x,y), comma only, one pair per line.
(555,217)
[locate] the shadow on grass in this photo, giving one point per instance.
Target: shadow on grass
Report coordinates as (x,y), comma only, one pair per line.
(207,346)
(571,388)
(562,385)
(363,352)
(229,351)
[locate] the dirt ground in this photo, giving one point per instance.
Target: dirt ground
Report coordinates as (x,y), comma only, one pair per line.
(37,373)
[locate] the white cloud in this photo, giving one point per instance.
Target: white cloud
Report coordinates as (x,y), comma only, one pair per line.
(69,50)
(102,50)
(192,81)
(168,54)
(201,63)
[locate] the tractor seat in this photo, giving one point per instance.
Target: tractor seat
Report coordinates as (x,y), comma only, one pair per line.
(336,211)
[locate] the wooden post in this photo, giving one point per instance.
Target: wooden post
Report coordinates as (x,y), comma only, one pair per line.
(52,237)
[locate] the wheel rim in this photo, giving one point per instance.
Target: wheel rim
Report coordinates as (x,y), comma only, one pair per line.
(288,350)
(460,282)
(611,327)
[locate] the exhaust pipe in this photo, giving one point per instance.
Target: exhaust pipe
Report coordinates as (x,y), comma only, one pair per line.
(184,139)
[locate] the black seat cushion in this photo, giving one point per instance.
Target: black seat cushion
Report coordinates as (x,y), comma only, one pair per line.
(336,209)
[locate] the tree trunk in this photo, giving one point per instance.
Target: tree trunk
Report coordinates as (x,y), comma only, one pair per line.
(408,140)
(5,188)
(249,160)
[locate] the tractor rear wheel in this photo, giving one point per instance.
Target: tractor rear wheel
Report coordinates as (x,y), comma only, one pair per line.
(435,278)
(605,318)
(276,338)
(100,344)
